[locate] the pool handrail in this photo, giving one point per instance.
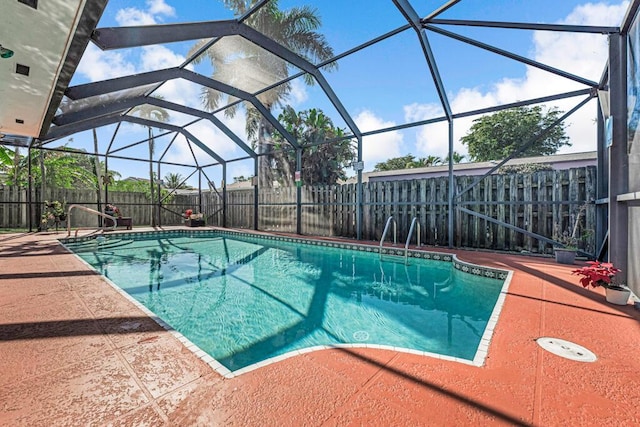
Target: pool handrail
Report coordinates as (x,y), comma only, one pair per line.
(414,222)
(86,209)
(386,229)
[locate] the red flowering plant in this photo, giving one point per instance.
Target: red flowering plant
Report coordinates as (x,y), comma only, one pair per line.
(188,214)
(597,273)
(112,210)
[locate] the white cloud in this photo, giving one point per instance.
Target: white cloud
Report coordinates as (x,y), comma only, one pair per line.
(159,7)
(380,147)
(416,112)
(213,138)
(98,65)
(181,92)
(130,17)
(156,11)
(298,93)
(157,57)
(237,169)
(581,54)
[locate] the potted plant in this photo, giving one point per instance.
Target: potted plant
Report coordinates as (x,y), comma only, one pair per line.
(569,240)
(567,253)
(193,219)
(53,214)
(597,273)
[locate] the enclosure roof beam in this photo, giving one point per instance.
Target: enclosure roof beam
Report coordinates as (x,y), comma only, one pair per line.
(135,159)
(412,17)
(169,145)
(110,38)
(195,159)
(167,126)
(295,59)
(133,144)
(123,37)
(524,26)
(206,81)
(441,9)
(579,92)
(65,130)
(57,132)
(125,104)
(629,17)
(121,83)
(513,56)
(160,135)
(203,115)
(531,101)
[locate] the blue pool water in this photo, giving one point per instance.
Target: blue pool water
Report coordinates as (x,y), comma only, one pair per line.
(243,299)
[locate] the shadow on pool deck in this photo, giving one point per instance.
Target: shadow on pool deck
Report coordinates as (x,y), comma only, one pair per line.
(75,351)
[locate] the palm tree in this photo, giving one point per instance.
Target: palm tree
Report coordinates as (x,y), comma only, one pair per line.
(457,158)
(321,163)
(428,161)
(10,162)
(173,181)
(159,114)
(294,29)
(6,157)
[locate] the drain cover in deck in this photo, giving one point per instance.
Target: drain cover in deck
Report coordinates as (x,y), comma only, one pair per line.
(566,349)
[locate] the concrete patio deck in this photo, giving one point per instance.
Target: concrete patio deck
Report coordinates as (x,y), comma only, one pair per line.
(73,351)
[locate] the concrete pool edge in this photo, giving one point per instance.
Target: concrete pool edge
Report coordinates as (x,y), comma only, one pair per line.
(463,266)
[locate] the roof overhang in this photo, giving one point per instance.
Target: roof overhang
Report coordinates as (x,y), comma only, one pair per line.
(50,40)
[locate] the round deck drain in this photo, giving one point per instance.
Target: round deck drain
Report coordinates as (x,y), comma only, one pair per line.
(566,349)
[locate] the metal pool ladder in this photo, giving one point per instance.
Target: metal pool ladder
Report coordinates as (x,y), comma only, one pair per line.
(386,229)
(86,209)
(414,222)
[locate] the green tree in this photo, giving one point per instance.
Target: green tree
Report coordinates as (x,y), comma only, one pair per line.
(457,158)
(295,29)
(396,163)
(158,114)
(173,181)
(428,161)
(6,158)
(130,186)
(496,136)
(242,178)
(407,162)
(10,163)
(60,169)
(322,163)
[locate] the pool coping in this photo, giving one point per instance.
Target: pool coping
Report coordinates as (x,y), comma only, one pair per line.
(463,266)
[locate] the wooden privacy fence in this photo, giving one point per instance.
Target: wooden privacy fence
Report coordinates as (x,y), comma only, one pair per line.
(14,207)
(546,203)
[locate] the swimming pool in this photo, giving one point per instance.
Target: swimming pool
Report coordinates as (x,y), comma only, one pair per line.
(244,298)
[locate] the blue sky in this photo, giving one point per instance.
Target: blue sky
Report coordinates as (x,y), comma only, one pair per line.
(384,85)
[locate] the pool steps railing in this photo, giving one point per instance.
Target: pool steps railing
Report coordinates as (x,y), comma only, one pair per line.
(86,209)
(390,220)
(414,222)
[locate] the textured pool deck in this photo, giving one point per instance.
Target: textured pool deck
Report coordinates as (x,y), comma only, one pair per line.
(73,351)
